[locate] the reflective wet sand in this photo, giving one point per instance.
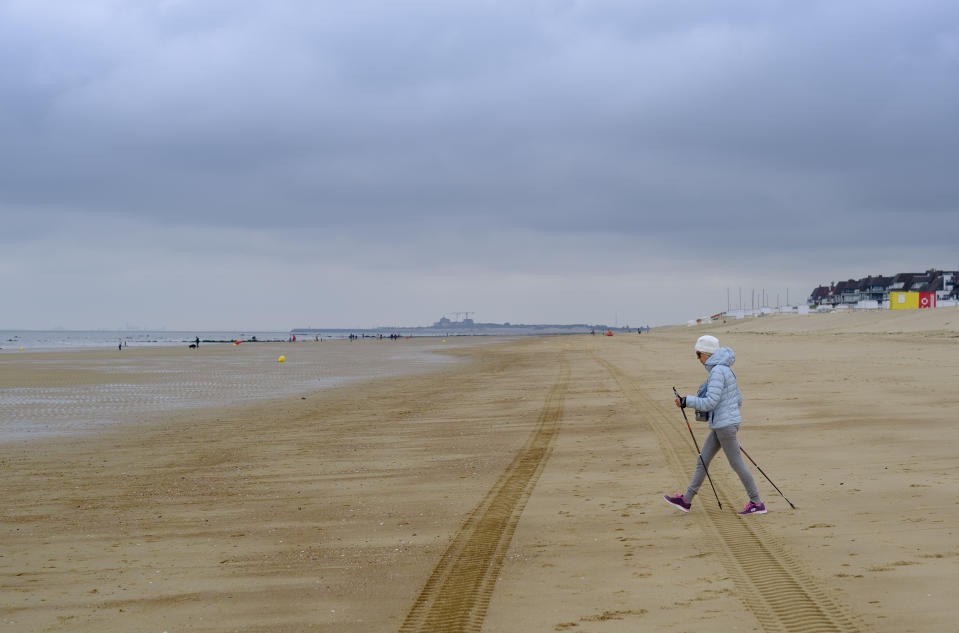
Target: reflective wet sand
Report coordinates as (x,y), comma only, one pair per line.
(66,392)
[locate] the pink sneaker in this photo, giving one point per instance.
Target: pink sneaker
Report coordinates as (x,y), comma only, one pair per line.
(679,502)
(753,508)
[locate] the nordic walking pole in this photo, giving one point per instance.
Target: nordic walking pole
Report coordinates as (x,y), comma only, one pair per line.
(767,477)
(701,460)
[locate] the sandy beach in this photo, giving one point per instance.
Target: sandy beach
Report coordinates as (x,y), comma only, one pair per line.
(519,489)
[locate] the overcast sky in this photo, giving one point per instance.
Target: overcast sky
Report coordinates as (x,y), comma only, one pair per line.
(269,165)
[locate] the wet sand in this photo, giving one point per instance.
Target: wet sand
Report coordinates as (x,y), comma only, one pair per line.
(518,490)
(72,391)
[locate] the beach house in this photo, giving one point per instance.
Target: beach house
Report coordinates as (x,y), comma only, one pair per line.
(944,283)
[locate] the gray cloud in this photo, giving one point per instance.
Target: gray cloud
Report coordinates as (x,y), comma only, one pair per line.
(603,134)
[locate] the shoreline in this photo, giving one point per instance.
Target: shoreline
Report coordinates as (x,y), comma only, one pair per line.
(92,340)
(915,320)
(19,341)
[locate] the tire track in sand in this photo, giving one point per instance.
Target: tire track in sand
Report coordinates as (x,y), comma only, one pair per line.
(772,585)
(457,593)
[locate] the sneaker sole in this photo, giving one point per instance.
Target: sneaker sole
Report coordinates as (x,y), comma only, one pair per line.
(674,505)
(746,514)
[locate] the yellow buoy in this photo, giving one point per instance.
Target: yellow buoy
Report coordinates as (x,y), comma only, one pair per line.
(444,340)
(281,359)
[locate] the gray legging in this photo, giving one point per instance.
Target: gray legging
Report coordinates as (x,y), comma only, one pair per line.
(725,437)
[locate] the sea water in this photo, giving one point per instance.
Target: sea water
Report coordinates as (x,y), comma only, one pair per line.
(13,340)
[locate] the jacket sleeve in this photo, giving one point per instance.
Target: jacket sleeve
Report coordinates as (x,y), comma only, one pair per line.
(714,391)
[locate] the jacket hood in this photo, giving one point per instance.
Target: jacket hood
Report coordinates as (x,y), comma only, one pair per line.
(723,356)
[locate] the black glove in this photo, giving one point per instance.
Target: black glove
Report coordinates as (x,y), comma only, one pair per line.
(682,402)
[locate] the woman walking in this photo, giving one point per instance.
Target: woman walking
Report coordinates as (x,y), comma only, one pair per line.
(721,399)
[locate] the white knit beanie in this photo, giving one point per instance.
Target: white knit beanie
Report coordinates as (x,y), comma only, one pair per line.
(707,344)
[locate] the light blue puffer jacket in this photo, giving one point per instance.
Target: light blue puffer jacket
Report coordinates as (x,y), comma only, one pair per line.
(722,397)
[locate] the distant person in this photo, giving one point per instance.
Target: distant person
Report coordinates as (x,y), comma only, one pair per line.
(120,345)
(721,399)
(197,342)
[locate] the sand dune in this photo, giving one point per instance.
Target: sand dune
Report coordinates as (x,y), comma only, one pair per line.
(519,490)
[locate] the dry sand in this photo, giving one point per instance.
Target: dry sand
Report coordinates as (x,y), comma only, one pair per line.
(520,490)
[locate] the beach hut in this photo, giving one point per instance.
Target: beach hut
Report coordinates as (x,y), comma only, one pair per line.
(911,300)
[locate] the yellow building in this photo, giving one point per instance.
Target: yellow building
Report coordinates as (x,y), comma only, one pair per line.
(911,300)
(903,300)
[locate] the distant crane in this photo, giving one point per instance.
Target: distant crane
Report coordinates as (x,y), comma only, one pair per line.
(458,317)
